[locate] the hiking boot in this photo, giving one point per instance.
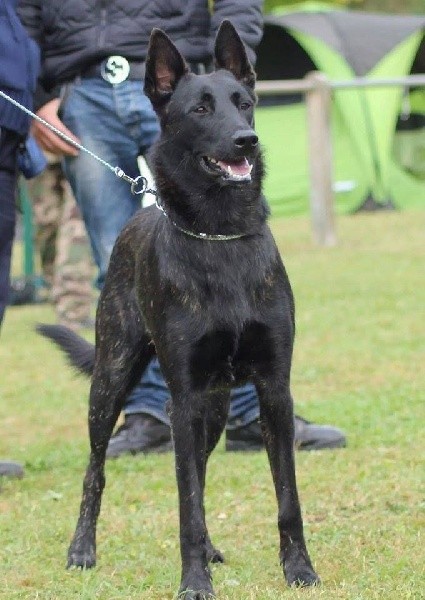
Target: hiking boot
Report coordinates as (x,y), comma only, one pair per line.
(11,469)
(139,433)
(308,436)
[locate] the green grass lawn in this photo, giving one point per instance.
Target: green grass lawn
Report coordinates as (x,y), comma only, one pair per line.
(359,364)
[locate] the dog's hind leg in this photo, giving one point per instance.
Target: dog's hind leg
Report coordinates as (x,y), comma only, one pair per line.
(277,422)
(120,361)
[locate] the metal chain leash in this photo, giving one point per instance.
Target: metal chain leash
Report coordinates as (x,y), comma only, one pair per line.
(138,184)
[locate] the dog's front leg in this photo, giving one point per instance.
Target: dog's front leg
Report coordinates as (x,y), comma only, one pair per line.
(190,450)
(216,415)
(277,422)
(110,386)
(82,551)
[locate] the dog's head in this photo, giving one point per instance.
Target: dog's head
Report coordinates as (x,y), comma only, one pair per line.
(209,117)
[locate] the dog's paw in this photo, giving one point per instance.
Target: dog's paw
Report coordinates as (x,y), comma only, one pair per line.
(196,585)
(81,558)
(298,569)
(196,595)
(303,577)
(300,574)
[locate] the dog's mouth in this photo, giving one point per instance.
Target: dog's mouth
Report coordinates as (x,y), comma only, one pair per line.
(238,170)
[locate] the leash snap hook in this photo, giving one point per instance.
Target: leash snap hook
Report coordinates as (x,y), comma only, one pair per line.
(139,185)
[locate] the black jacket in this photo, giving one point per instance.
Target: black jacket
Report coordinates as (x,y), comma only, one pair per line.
(19,64)
(76,33)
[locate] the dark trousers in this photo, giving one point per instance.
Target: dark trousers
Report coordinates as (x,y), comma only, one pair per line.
(9,141)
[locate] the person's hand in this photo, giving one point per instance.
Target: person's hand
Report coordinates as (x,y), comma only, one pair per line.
(47,139)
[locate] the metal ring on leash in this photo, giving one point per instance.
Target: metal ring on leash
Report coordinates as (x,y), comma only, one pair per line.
(139,185)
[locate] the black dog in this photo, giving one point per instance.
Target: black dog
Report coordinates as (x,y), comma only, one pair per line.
(198,280)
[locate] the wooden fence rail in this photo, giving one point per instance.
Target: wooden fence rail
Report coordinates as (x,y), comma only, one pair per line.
(318,90)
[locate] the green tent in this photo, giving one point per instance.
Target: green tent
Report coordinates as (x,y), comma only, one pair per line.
(343,44)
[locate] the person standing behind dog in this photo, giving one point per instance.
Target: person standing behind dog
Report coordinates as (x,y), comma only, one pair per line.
(62,242)
(91,89)
(19,64)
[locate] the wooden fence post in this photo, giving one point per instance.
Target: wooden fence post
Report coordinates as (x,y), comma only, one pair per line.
(318,100)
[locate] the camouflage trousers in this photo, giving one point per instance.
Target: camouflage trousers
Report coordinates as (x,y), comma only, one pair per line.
(63,247)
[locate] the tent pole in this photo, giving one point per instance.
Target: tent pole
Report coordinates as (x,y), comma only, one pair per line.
(318,100)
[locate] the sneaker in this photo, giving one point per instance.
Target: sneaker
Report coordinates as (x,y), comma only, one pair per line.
(139,433)
(308,436)
(11,469)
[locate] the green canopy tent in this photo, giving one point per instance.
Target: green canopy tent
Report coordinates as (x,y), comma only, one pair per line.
(343,45)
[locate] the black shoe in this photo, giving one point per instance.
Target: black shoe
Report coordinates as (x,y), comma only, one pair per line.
(245,439)
(308,436)
(139,433)
(11,469)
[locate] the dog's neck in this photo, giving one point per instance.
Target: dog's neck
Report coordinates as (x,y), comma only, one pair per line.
(214,209)
(217,237)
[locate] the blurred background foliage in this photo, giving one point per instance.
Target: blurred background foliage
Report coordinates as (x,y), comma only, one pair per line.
(389,6)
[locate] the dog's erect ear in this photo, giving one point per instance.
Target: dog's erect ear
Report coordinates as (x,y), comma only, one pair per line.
(230,54)
(164,67)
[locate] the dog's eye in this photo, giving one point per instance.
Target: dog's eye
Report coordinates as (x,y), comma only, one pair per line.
(245,106)
(200,110)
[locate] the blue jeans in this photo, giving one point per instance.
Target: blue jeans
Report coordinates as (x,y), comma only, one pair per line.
(151,395)
(117,123)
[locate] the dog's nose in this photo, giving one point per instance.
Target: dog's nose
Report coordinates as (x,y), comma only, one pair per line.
(245,139)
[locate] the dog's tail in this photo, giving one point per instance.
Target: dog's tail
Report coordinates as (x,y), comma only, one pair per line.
(79,352)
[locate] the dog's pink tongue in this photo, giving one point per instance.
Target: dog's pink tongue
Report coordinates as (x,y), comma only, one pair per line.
(241,167)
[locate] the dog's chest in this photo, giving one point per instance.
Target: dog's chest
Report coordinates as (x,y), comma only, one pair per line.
(219,282)
(221,300)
